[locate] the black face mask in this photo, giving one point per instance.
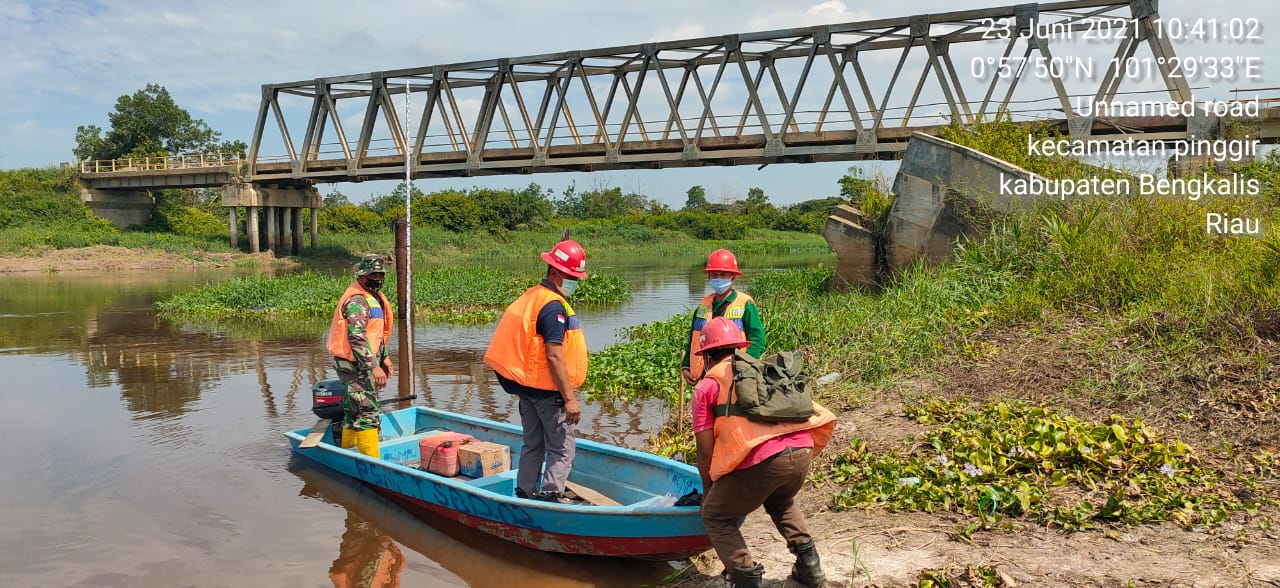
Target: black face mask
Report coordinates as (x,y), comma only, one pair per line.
(373,285)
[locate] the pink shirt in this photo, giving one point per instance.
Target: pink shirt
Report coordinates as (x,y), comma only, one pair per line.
(704,418)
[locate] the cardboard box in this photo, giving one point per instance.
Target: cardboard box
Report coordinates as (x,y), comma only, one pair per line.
(478,459)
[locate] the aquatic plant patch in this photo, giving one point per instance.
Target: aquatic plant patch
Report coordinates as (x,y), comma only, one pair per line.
(1008,461)
(647,364)
(464,295)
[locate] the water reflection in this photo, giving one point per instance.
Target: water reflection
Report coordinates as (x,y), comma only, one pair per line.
(376,527)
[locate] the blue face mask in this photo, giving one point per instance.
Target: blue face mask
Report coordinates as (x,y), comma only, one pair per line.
(720,285)
(568,286)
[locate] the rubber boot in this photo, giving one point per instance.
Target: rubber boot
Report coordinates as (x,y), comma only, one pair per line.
(808,570)
(367,443)
(748,577)
(348,438)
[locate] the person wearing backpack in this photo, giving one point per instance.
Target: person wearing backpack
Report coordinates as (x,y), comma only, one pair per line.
(746,464)
(725,301)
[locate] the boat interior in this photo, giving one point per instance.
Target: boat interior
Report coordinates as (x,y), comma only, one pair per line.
(602,475)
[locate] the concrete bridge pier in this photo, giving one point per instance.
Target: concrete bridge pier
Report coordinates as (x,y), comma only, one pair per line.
(281,210)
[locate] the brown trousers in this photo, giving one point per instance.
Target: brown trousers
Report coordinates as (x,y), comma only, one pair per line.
(773,484)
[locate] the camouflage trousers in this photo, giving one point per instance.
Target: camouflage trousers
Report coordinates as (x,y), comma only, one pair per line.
(360,402)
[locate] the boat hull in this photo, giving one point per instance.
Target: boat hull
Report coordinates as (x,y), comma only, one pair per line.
(643,526)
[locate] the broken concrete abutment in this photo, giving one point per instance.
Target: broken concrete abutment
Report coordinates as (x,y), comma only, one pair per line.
(942,191)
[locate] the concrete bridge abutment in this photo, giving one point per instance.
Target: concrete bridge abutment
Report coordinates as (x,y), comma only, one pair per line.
(123,208)
(942,192)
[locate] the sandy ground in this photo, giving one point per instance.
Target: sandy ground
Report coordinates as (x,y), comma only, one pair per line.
(104,258)
(893,549)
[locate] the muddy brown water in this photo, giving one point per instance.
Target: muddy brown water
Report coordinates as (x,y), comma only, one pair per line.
(144,452)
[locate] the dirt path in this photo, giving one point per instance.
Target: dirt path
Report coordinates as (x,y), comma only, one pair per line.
(105,258)
(894,549)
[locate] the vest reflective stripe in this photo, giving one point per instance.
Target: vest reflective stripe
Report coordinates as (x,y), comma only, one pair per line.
(378,330)
(736,435)
(519,354)
(733,312)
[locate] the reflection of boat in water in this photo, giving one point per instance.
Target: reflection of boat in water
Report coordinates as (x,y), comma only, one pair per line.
(375,525)
(643,525)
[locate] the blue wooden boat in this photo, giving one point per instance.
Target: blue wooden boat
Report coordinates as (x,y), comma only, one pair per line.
(641,526)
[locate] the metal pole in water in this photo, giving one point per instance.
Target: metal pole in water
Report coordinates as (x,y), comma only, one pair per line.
(408,214)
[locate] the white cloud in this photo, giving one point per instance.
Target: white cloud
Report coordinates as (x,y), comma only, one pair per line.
(683,31)
(826,12)
(15,11)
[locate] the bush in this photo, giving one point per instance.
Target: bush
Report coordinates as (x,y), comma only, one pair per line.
(188,222)
(349,219)
(700,225)
(43,197)
(510,210)
(450,210)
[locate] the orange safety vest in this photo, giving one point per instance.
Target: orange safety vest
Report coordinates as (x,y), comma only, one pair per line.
(519,354)
(378,330)
(733,312)
(736,435)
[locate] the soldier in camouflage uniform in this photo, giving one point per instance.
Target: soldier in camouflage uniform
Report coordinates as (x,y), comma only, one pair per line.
(358,340)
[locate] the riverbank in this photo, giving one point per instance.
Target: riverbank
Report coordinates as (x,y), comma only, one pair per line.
(877,546)
(108,258)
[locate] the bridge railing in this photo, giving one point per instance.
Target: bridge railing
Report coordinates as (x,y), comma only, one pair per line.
(162,163)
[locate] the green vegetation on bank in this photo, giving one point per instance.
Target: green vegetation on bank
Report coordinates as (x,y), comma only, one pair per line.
(466,295)
(1133,283)
(1008,460)
(41,209)
(1141,265)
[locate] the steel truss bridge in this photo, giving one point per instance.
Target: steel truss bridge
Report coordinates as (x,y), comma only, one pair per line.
(821,93)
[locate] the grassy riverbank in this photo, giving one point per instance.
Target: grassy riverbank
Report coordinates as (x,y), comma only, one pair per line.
(1091,362)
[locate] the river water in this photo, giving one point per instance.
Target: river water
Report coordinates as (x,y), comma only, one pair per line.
(144,452)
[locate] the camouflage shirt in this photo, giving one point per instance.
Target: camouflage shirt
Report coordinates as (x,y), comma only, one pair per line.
(356,311)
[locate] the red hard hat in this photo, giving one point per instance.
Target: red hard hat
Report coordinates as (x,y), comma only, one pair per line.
(721,332)
(722,260)
(568,257)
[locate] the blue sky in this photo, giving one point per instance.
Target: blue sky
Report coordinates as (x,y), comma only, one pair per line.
(63,64)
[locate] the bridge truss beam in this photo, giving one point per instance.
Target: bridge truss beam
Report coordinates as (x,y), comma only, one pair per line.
(794,95)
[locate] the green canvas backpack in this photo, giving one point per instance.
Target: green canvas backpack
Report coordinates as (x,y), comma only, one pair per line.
(772,389)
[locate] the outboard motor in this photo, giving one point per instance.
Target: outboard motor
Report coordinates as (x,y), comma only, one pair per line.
(326,400)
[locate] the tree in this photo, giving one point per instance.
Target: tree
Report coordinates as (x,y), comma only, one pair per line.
(509,209)
(757,209)
(697,198)
(808,216)
(336,198)
(391,206)
(148,122)
(867,196)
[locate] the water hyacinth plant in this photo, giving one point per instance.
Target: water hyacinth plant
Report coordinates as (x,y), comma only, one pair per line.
(1029,462)
(469,295)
